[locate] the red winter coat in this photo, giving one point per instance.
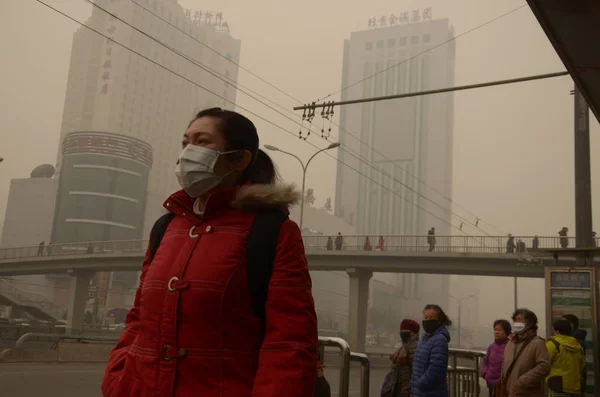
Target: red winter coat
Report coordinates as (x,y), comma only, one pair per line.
(192,330)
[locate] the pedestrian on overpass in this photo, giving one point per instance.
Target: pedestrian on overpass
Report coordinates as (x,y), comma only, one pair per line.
(224,306)
(339,242)
(564,237)
(510,244)
(431,239)
(491,370)
(430,367)
(526,362)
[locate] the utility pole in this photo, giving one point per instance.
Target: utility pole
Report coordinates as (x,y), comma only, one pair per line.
(516,293)
(459,325)
(583,188)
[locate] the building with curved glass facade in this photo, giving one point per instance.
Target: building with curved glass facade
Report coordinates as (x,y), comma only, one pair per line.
(102,188)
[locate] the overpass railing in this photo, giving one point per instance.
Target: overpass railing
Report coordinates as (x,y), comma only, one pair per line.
(31,299)
(393,243)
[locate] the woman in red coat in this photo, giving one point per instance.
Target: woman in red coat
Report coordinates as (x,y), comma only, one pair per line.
(192,330)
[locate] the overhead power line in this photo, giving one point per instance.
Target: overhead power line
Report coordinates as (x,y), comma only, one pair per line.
(424,52)
(203,67)
(241,88)
(430,92)
(298,101)
(477,219)
(232,102)
(217,52)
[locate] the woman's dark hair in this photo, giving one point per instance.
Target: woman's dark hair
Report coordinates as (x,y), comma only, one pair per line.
(529,317)
(504,324)
(240,134)
(442,317)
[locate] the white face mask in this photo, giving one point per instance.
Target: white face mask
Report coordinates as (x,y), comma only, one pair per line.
(518,327)
(195,169)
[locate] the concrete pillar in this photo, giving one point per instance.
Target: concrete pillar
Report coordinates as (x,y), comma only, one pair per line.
(78,294)
(359,303)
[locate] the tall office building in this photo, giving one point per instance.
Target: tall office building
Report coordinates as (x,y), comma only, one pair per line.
(113,90)
(410,140)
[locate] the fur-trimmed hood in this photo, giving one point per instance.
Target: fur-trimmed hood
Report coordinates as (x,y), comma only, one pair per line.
(247,197)
(259,196)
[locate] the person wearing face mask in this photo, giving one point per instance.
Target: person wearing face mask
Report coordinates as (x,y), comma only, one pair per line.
(430,367)
(526,363)
(491,370)
(196,328)
(397,382)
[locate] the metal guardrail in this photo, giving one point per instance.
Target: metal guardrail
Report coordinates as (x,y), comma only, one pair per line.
(394,243)
(345,354)
(463,381)
(365,372)
(55,340)
(10,332)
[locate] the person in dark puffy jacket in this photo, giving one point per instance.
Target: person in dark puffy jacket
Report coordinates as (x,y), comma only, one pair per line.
(491,369)
(430,366)
(192,330)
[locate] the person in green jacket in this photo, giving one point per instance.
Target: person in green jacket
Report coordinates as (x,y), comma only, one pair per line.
(566,362)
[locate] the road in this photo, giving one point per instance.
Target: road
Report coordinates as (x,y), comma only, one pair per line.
(83,380)
(51,380)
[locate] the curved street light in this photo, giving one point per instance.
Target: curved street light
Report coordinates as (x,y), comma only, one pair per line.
(304,168)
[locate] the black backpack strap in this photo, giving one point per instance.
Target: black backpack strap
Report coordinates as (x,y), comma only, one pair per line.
(260,255)
(158,231)
(556,344)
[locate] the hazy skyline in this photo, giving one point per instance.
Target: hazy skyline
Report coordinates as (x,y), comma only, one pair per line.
(513,145)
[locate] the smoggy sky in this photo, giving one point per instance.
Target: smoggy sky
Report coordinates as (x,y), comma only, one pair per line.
(513,145)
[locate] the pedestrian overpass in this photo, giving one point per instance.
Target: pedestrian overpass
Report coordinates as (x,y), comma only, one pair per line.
(451,255)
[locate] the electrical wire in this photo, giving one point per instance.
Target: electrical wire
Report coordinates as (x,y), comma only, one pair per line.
(247,110)
(217,52)
(199,64)
(442,195)
(424,52)
(207,69)
(202,66)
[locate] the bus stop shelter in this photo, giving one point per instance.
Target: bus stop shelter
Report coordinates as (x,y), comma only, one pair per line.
(575,290)
(573,29)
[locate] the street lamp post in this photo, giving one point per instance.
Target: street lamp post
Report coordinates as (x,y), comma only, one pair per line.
(460,301)
(304,168)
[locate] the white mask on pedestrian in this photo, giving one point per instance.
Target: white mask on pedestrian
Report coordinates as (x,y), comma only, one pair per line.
(518,327)
(195,169)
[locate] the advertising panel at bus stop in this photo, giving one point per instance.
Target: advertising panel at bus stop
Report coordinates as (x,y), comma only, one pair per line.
(573,291)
